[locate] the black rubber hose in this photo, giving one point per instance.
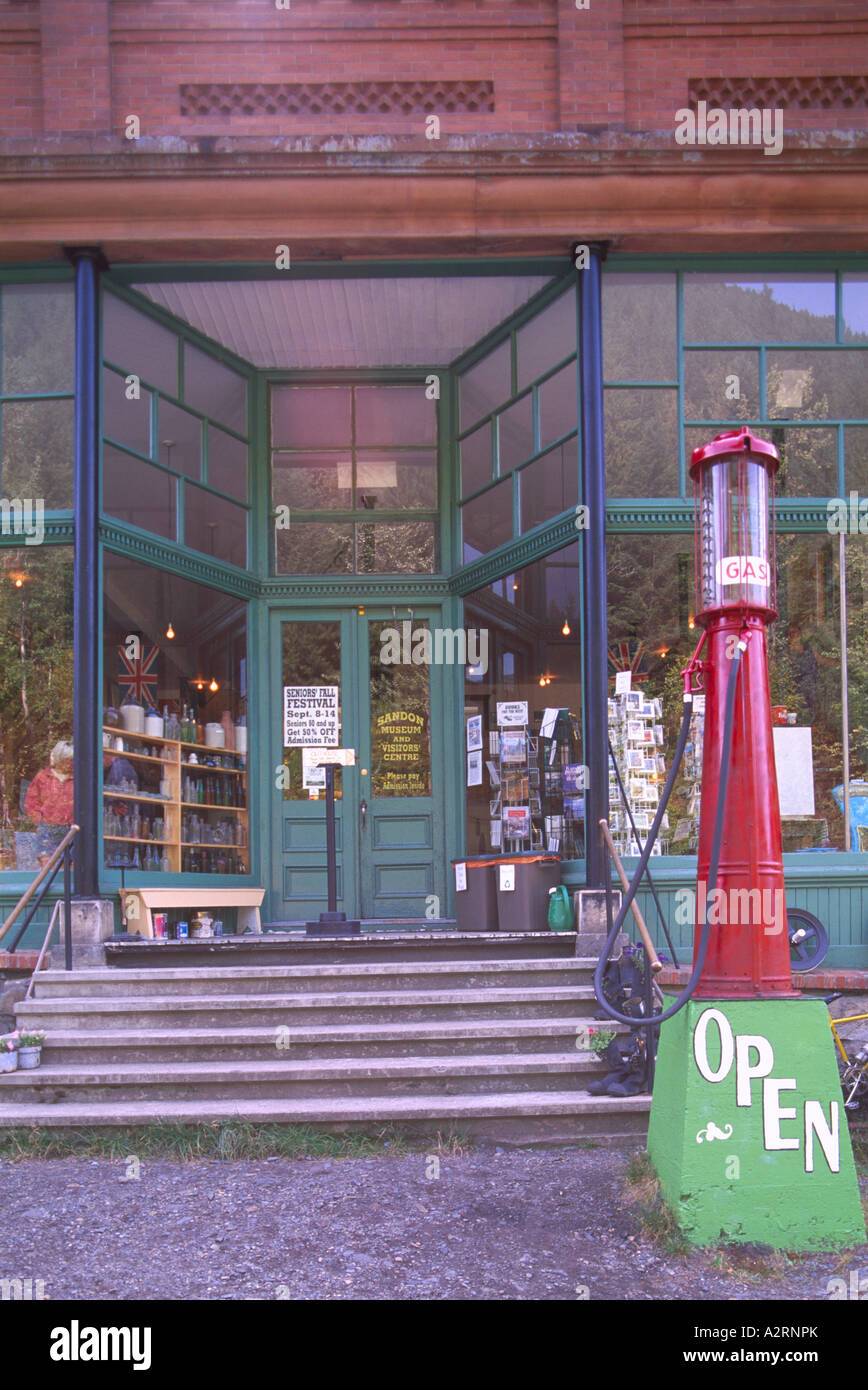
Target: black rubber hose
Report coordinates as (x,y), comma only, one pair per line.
(690,987)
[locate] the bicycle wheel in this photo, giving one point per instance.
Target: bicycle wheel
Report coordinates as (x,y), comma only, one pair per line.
(809,941)
(854,1083)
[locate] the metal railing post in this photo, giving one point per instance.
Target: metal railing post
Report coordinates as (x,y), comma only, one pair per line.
(67,907)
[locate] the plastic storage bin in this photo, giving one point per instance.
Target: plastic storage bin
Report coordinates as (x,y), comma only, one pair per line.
(523,883)
(476,900)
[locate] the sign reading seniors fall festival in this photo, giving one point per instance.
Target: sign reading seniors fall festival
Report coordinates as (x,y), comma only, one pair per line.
(310,716)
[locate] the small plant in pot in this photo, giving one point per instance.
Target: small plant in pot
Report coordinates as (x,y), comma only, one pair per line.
(29,1050)
(9,1052)
(603,1044)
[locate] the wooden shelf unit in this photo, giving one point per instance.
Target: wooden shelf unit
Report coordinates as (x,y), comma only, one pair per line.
(175,769)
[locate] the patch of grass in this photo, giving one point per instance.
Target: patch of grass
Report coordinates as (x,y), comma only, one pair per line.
(657,1219)
(223,1140)
(859,1137)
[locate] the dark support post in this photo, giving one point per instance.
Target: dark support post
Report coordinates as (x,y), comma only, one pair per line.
(88,262)
(594,643)
(332,922)
(331,847)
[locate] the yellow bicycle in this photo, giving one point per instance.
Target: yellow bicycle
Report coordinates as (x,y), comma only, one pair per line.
(853,1069)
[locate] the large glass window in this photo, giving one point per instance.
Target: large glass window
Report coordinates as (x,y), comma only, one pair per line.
(174,418)
(525,786)
(37,362)
(36,687)
(525,392)
(367,452)
(174,724)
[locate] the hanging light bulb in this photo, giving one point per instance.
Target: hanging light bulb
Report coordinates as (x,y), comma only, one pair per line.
(213,686)
(542,680)
(548,680)
(566,629)
(170,631)
(690,623)
(18,581)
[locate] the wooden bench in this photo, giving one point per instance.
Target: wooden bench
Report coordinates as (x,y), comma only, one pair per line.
(141,903)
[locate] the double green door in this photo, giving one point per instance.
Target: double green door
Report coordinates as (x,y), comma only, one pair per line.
(389,806)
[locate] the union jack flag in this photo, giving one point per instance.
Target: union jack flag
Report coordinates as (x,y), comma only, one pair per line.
(138,677)
(627,656)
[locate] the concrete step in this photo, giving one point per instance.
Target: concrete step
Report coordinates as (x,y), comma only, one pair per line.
(293,948)
(288,1010)
(525,1118)
(310,979)
(289,1079)
(456,1038)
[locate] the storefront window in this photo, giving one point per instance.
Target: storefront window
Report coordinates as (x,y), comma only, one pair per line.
(360,450)
(36,685)
(759,308)
(166,429)
(174,724)
(37,358)
(524,760)
(651,633)
(524,425)
(650,617)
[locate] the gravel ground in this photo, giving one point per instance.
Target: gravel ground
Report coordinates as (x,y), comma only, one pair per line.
(521,1224)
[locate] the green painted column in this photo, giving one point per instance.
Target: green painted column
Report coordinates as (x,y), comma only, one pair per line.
(748,1131)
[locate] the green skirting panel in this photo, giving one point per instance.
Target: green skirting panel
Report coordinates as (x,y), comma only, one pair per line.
(748,1131)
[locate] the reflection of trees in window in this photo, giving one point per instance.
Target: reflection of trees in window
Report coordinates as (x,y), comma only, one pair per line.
(400,715)
(36,668)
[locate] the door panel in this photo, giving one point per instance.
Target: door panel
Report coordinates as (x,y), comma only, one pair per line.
(311,651)
(389,807)
(400,727)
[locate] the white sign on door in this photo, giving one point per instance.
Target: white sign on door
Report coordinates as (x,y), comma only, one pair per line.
(310,716)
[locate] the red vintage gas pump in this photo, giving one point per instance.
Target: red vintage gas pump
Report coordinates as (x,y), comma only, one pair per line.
(747,1132)
(748,954)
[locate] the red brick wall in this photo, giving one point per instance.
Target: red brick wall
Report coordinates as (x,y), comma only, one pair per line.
(666,44)
(72,66)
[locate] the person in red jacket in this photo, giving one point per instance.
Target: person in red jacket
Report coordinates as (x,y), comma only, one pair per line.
(50,794)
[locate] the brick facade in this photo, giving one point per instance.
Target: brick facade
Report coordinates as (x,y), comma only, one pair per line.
(73,66)
(555,121)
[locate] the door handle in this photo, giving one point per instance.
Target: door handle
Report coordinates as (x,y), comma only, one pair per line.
(363,812)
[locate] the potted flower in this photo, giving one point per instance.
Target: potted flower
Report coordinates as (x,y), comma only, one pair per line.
(603,1044)
(29,1049)
(9,1052)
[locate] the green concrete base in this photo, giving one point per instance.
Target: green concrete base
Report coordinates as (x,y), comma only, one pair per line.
(748,1131)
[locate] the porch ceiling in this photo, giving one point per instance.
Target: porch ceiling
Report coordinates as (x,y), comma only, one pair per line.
(352,323)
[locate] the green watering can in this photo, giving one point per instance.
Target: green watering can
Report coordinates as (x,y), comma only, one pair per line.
(560,909)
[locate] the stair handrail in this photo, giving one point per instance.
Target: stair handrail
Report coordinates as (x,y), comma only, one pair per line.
(62,854)
(45,942)
(49,868)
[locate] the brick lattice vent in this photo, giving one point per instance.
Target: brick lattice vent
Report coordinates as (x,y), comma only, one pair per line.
(786,93)
(335,98)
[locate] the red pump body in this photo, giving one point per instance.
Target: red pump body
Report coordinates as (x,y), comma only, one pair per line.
(748,955)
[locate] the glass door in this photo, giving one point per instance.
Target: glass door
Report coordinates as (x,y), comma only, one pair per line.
(312,656)
(401,778)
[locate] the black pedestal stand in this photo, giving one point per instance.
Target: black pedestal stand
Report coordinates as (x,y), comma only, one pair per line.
(332,923)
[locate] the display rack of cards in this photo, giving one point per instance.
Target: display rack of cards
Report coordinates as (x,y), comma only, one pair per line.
(685,836)
(515,801)
(562,784)
(636,735)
